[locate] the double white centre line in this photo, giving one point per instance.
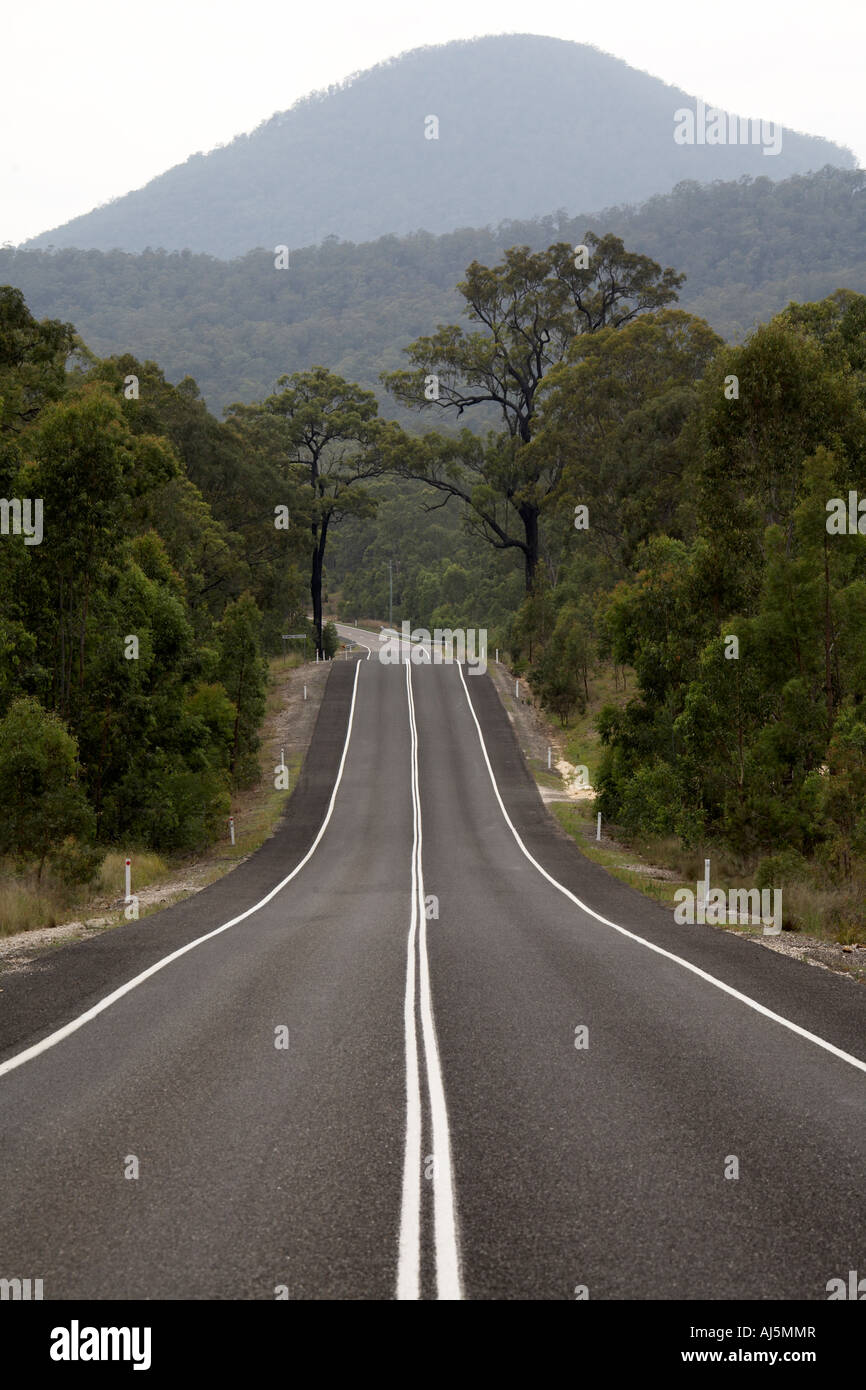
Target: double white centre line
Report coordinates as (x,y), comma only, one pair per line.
(418,1168)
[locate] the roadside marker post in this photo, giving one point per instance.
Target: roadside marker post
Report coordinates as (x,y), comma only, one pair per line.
(704,887)
(598,827)
(128,880)
(232,828)
(548,757)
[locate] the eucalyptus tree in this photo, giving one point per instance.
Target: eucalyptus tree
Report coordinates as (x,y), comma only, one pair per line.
(529,309)
(324,432)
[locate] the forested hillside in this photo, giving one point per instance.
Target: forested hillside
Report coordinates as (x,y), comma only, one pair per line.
(747,248)
(522,123)
(640,493)
(698,509)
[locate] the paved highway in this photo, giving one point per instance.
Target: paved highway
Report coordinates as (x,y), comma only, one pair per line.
(418,1047)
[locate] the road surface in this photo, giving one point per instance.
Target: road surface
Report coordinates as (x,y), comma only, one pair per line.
(418,1047)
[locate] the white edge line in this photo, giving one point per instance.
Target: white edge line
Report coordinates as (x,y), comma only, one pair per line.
(360,644)
(659,950)
(69,1028)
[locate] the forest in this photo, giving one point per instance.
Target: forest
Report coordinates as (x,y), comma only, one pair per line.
(746,246)
(598,478)
(132,634)
(696,506)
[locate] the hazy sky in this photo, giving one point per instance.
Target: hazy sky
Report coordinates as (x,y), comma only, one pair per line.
(100,96)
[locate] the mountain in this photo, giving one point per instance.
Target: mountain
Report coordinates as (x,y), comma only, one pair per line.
(235,326)
(524,123)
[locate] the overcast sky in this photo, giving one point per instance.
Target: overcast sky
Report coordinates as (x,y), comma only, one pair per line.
(100,96)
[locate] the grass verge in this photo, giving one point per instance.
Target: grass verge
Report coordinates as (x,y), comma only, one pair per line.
(28,903)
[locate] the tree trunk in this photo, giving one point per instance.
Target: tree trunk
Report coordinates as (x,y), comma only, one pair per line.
(316,591)
(529,516)
(320,536)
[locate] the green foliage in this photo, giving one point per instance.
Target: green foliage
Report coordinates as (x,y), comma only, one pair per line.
(75,863)
(560,676)
(746,634)
(236,325)
(32,361)
(841,792)
(243,674)
(320,433)
(440,576)
(330,640)
(532,308)
(131,672)
(614,413)
(43,800)
(706,569)
(780,870)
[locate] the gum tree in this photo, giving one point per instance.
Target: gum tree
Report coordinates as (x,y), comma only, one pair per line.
(39,783)
(323,430)
(528,310)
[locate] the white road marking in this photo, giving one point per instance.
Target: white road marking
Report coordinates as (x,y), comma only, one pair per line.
(448,1285)
(659,950)
(69,1028)
(344,627)
(409,1258)
(444,1211)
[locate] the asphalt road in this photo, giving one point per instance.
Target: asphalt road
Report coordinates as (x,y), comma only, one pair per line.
(431,1128)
